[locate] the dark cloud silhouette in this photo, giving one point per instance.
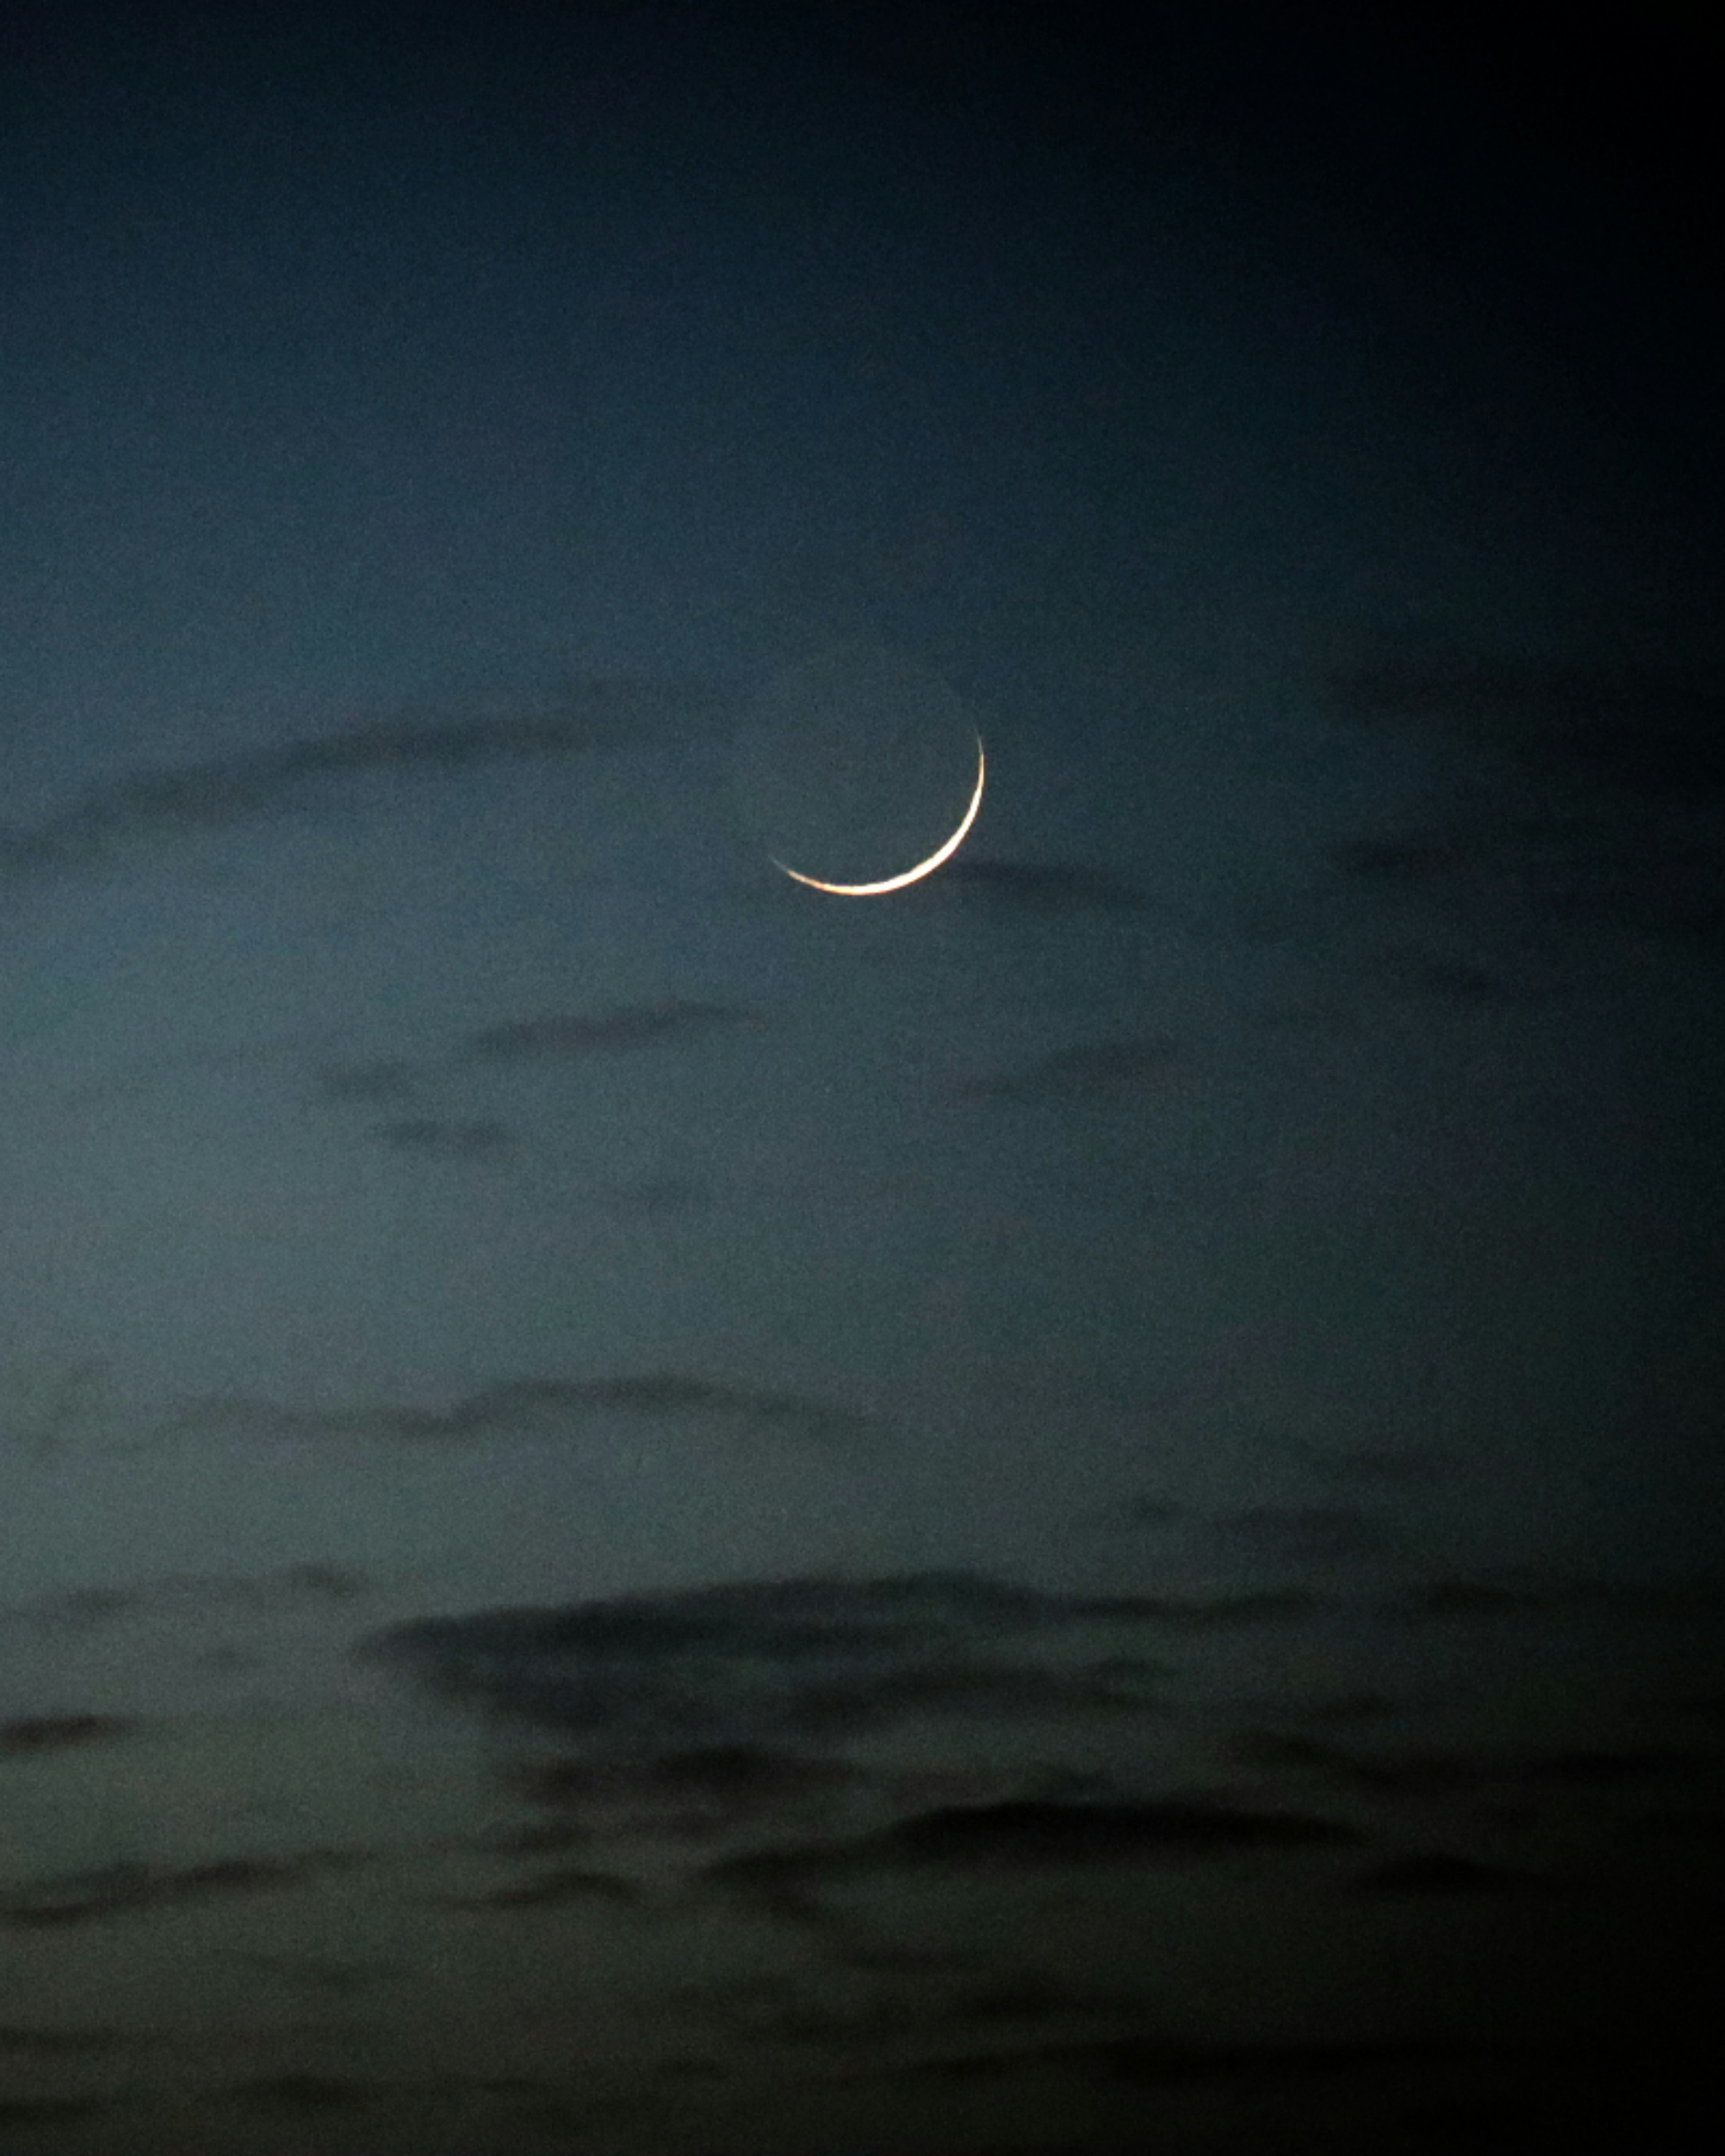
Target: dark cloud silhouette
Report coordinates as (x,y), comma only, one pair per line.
(549,1889)
(1609,1769)
(1443,1874)
(1412,1774)
(201,797)
(1028,1836)
(129,1888)
(980,1689)
(29,1736)
(1107,1069)
(750,1666)
(644,1026)
(719,1780)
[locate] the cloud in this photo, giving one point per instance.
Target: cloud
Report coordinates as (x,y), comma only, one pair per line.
(1030,1836)
(130,1888)
(1452,980)
(225,791)
(1592,798)
(1107,1070)
(1041,887)
(27,1737)
(753,1666)
(699,1791)
(1443,1874)
(533,1404)
(1649,732)
(642,1026)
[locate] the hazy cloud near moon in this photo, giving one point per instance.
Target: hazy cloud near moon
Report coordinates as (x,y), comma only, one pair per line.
(222,791)
(1043,886)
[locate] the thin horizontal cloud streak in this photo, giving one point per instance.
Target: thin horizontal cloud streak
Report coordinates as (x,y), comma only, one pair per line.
(1416,972)
(641,1026)
(227,791)
(1625,768)
(1041,886)
(1031,1835)
(521,1406)
(1642,731)
(752,1664)
(1097,1072)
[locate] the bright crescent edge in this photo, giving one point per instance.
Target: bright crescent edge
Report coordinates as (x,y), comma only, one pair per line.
(911,876)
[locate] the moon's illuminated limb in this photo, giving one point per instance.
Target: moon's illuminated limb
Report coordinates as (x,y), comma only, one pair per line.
(941,855)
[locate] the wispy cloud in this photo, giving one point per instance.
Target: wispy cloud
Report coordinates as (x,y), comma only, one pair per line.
(537,1405)
(647,1025)
(1041,886)
(1594,796)
(1650,731)
(1417,972)
(755,1665)
(1028,1836)
(225,791)
(1100,1072)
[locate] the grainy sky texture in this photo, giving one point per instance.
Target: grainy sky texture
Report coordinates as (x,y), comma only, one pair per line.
(1184,1347)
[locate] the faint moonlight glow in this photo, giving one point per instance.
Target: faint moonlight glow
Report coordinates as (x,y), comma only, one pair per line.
(941,855)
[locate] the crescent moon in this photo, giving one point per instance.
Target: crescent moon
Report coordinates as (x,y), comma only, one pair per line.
(936,860)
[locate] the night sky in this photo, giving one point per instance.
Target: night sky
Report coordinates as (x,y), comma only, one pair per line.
(1089,1491)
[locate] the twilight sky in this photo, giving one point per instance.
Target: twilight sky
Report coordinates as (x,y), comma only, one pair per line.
(475,486)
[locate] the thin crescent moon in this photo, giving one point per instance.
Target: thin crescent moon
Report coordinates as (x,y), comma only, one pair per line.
(941,855)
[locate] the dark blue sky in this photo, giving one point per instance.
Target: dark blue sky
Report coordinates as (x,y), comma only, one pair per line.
(475,487)
(643,1508)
